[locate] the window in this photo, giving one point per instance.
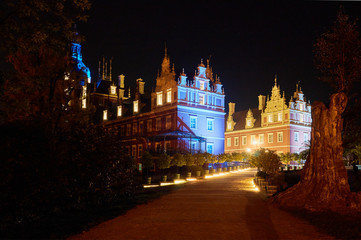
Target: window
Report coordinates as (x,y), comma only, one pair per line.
(169,95)
(119,111)
(140,150)
(159,98)
(210,124)
(229,125)
(158,125)
(261,138)
(253,139)
(201,85)
(135,106)
(229,142)
(248,122)
(296,136)
(193,122)
(210,148)
(167,145)
(113,90)
(244,140)
(84,91)
(279,117)
(305,137)
(135,128)
(128,131)
(301,107)
(134,149)
(105,115)
(193,146)
(141,127)
(149,125)
(270,119)
(168,123)
(201,99)
(236,141)
(270,137)
(83,103)
(301,118)
(280,137)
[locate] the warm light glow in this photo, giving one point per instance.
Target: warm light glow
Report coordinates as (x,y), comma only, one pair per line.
(84,91)
(159,98)
(191,179)
(119,111)
(113,90)
(169,95)
(150,186)
(136,107)
(105,115)
(179,181)
(83,103)
(248,150)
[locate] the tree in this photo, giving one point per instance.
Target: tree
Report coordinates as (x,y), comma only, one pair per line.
(268,161)
(163,161)
(178,160)
(286,158)
(147,161)
(324,183)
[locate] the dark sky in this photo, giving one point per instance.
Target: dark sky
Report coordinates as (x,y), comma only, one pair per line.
(249,42)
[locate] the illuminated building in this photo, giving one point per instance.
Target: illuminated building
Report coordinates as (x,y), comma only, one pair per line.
(179,115)
(274,125)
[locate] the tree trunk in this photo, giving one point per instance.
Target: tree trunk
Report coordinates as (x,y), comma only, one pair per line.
(324,184)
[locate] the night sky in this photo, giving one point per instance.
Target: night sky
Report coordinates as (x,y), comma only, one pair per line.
(249,42)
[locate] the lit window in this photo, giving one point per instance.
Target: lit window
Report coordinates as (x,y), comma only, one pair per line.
(261,138)
(105,115)
(159,98)
(253,139)
(210,148)
(169,95)
(229,125)
(201,99)
(270,137)
(229,141)
(119,111)
(270,119)
(89,79)
(301,117)
(136,106)
(280,137)
(236,141)
(296,136)
(84,91)
(201,85)
(301,106)
(83,103)
(113,90)
(193,122)
(248,122)
(244,140)
(210,124)
(279,116)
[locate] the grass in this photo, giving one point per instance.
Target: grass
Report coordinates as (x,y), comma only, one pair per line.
(66,224)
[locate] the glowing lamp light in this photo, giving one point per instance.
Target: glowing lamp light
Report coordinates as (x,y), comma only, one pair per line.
(191,179)
(105,115)
(248,150)
(179,181)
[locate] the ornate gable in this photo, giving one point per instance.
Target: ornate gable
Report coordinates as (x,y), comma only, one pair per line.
(250,120)
(276,102)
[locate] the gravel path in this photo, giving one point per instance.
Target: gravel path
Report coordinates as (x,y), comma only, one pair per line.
(225,207)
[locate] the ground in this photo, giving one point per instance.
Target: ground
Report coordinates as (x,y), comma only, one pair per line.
(226,207)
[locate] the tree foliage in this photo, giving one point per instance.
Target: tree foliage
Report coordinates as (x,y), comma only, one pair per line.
(338,54)
(163,161)
(178,160)
(267,160)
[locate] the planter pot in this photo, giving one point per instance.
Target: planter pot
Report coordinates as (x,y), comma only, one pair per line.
(198,173)
(149,180)
(189,174)
(164,178)
(177,176)
(206,172)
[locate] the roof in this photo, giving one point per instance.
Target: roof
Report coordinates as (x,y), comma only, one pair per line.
(240,119)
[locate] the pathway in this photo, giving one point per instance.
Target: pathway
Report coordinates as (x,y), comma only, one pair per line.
(226,207)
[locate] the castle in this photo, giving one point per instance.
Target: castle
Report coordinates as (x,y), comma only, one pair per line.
(274,125)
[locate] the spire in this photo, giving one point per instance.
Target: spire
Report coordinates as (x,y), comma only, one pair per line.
(276,80)
(103,70)
(110,70)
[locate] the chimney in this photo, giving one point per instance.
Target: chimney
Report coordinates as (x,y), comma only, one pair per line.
(121,81)
(261,102)
(231,106)
(141,85)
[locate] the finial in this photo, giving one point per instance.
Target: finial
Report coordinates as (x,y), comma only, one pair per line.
(165,49)
(173,67)
(275,79)
(283,94)
(201,60)
(129,92)
(110,70)
(207,63)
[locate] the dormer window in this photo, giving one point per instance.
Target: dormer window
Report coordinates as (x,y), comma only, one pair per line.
(280,117)
(248,122)
(136,106)
(105,115)
(301,107)
(229,125)
(270,119)
(119,111)
(113,90)
(201,85)
(169,95)
(159,98)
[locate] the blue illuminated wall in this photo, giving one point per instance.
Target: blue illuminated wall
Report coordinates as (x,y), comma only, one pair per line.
(80,66)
